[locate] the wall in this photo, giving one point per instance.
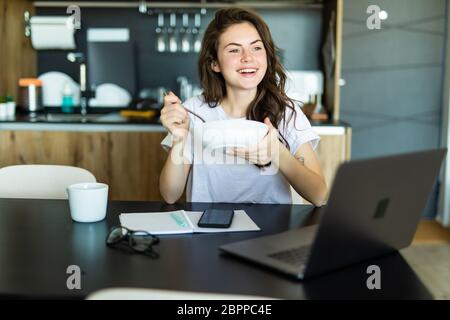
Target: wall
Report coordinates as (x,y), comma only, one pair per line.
(17,58)
(297,32)
(392,97)
(444,200)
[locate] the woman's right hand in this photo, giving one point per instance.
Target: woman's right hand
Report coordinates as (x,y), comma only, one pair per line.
(174,117)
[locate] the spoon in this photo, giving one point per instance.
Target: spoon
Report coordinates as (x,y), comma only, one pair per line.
(191,112)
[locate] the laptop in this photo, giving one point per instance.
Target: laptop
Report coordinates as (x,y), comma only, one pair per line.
(373,209)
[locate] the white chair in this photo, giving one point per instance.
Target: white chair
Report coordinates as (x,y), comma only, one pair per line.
(159,294)
(40,181)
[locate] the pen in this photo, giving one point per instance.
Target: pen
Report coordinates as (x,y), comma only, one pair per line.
(179,220)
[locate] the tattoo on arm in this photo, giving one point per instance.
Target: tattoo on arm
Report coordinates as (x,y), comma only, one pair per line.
(301,159)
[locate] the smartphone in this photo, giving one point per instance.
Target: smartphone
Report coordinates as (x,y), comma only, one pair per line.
(216,218)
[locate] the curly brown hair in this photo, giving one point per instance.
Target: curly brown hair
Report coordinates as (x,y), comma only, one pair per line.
(271,100)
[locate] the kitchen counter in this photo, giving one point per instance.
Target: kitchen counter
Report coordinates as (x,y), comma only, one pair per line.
(125,153)
(113,121)
(75,122)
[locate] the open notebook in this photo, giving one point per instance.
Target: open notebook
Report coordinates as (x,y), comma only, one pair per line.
(181,221)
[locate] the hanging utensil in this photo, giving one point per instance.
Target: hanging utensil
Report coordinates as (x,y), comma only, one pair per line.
(160,34)
(196,33)
(185,34)
(173,43)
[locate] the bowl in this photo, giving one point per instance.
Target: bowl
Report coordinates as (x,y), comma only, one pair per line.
(239,133)
(110,95)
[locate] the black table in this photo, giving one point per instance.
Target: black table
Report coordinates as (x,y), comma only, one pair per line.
(38,241)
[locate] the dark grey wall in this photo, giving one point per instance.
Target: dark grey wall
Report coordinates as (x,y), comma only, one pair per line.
(297,32)
(392,97)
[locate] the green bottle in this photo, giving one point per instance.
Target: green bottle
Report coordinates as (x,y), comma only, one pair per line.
(67,100)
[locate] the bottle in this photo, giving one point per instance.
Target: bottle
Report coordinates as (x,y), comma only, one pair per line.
(10,107)
(30,96)
(2,107)
(67,100)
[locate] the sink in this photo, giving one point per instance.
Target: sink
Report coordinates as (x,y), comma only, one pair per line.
(70,117)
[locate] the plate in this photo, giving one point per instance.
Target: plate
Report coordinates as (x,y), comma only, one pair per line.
(53,83)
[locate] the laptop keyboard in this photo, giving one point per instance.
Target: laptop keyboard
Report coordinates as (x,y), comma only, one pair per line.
(296,256)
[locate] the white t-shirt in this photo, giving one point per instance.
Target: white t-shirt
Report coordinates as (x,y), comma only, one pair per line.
(238,183)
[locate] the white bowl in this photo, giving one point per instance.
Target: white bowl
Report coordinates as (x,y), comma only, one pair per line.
(110,95)
(239,133)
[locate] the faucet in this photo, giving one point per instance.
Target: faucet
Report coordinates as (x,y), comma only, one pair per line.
(79,57)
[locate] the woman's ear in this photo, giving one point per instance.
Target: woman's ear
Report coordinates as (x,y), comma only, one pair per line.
(215,66)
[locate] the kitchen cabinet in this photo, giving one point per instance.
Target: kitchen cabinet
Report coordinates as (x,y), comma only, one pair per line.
(128,161)
(334,148)
(17,57)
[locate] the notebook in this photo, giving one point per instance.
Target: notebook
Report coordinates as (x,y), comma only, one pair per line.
(176,222)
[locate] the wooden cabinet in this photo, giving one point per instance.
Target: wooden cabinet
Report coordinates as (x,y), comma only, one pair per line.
(333,149)
(129,162)
(18,58)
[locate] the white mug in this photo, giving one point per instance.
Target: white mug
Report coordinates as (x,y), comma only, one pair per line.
(88,201)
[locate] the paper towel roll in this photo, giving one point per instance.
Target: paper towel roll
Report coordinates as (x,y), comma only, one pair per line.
(52,32)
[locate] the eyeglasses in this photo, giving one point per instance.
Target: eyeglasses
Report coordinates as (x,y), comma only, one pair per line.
(137,240)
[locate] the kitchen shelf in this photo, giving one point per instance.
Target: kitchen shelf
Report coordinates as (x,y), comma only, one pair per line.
(182,5)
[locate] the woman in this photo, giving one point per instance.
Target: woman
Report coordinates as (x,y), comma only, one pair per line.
(242,78)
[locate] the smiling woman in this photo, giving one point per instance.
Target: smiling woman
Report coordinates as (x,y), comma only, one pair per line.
(242,78)
(241,57)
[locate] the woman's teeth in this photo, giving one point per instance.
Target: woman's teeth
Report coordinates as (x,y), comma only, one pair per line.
(247,70)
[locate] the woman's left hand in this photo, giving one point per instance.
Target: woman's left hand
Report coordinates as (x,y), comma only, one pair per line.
(264,152)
